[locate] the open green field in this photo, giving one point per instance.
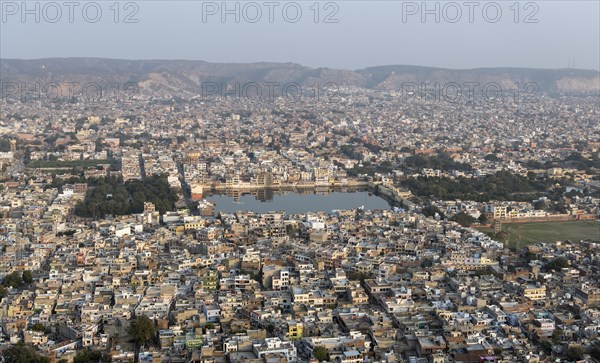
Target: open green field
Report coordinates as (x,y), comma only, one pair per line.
(527,233)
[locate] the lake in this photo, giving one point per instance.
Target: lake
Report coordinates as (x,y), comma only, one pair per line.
(268,200)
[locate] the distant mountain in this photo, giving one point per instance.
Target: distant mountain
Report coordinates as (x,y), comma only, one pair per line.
(170,77)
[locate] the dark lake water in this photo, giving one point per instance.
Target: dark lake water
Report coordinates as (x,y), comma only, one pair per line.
(296,202)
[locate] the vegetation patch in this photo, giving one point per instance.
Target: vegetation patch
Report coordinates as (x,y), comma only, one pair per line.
(112,196)
(522,234)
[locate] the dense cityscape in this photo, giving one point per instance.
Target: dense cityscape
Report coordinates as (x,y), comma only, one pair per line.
(114,248)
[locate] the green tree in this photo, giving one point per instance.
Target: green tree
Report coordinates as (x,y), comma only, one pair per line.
(13,279)
(111,196)
(482,218)
(556,264)
(27,277)
(321,353)
(546,346)
(540,205)
(143,332)
(22,353)
(270,328)
(87,355)
(463,219)
(431,210)
(556,334)
(574,353)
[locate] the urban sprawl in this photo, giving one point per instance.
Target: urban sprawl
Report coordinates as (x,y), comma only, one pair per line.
(112,251)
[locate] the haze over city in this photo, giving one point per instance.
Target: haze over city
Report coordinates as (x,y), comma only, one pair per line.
(299,181)
(343,34)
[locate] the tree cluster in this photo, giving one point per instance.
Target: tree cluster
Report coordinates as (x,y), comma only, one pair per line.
(463,219)
(23,353)
(4,143)
(87,355)
(17,279)
(112,196)
(143,331)
(503,185)
(321,353)
(431,210)
(556,264)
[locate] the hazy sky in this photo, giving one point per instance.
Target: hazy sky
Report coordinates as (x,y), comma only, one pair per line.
(546,34)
